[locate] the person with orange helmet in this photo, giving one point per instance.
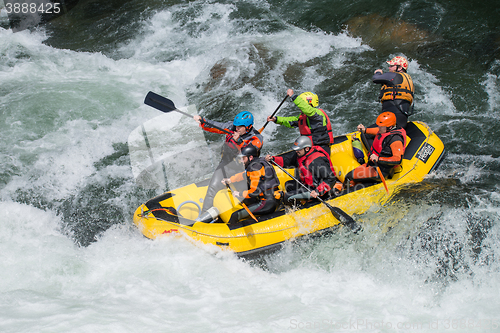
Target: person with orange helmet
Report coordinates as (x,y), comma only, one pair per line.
(386,151)
(397,91)
(312,121)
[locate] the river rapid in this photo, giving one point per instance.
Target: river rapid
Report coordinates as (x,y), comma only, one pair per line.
(72,90)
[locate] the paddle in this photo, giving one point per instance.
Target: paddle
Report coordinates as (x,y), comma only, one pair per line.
(249,212)
(267,122)
(165,105)
(338,213)
(229,188)
(365,142)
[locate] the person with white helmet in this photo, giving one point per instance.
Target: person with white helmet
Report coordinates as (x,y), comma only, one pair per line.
(312,121)
(397,91)
(239,133)
(315,170)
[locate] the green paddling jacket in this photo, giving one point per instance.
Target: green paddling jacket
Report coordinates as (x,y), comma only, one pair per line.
(312,122)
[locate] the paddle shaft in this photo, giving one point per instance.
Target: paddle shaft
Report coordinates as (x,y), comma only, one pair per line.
(230,195)
(165,105)
(267,122)
(298,181)
(337,212)
(241,203)
(363,138)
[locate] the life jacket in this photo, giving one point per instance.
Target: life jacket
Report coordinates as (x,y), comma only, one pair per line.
(314,128)
(268,182)
(231,148)
(380,146)
(306,176)
(404,91)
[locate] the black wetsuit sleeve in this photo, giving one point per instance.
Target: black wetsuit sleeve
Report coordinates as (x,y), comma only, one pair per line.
(321,171)
(391,163)
(289,159)
(389,78)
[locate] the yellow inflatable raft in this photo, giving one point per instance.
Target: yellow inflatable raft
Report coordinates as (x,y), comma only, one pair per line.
(174,212)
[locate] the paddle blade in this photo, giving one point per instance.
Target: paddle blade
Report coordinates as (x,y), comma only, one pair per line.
(159,102)
(383,179)
(344,218)
(249,212)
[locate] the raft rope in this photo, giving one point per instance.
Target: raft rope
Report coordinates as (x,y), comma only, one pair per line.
(148,212)
(178,225)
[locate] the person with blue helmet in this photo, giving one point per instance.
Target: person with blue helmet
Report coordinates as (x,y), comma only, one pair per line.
(239,133)
(244,118)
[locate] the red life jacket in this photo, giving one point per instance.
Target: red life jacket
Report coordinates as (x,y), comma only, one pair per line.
(319,133)
(380,146)
(231,148)
(306,176)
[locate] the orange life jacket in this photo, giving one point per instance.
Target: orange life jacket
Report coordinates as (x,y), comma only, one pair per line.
(405,90)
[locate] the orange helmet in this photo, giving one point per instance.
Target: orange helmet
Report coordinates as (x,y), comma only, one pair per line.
(387,119)
(399,61)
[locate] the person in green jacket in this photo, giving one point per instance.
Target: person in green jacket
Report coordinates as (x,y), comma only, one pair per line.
(312,121)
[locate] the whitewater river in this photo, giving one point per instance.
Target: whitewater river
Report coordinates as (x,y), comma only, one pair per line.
(72,91)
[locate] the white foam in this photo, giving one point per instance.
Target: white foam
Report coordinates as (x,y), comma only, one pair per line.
(126,283)
(492,88)
(433,96)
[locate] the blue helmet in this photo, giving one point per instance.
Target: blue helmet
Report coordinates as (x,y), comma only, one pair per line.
(244,118)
